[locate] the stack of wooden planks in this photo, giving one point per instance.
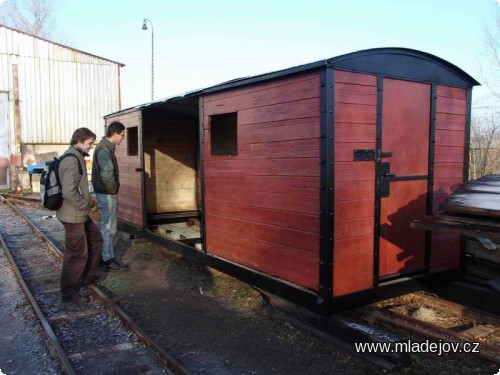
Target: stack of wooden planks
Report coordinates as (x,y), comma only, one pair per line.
(472,210)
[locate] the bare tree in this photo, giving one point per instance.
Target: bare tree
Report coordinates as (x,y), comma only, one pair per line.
(485,146)
(35,17)
(490,59)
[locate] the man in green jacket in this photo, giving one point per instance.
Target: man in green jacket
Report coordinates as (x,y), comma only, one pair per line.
(83,240)
(106,184)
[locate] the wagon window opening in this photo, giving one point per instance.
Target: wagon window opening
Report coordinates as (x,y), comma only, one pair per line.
(132,141)
(223,134)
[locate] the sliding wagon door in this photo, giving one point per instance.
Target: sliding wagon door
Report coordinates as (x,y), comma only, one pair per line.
(129,155)
(403,175)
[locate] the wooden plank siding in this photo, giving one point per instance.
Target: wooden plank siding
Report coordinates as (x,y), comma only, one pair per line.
(262,205)
(449,158)
(130,196)
(355,110)
(170,165)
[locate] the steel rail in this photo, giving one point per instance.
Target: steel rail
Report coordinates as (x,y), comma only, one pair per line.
(487,351)
(52,338)
(172,364)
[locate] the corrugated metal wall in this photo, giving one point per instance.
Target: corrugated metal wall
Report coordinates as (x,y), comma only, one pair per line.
(60,89)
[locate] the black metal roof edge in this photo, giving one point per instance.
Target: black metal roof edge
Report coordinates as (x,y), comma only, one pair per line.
(307,67)
(409,52)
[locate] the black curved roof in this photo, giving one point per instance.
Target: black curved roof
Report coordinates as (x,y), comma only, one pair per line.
(395,62)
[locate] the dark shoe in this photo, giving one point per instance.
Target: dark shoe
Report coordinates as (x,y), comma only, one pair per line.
(77,298)
(115,265)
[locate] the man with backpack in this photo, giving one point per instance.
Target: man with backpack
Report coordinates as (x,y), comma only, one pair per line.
(106,184)
(83,240)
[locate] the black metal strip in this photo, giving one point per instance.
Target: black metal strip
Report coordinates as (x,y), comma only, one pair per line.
(408,178)
(378,195)
(140,140)
(201,176)
(467,135)
(430,182)
(326,190)
(466,167)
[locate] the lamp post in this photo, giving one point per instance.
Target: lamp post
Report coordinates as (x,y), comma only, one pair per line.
(145,27)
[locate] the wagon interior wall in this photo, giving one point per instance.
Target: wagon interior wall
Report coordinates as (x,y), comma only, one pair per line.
(262,202)
(170,164)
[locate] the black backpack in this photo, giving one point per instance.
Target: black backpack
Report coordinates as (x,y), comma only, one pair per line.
(50,184)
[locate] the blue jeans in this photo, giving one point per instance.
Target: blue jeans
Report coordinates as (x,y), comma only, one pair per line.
(108,206)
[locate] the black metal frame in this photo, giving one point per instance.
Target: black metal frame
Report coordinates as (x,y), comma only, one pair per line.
(430,180)
(326,187)
(378,167)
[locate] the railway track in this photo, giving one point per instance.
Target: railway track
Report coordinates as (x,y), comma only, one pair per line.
(91,338)
(463,324)
(468,329)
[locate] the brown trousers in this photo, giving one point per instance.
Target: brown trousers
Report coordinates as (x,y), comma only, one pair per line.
(83,247)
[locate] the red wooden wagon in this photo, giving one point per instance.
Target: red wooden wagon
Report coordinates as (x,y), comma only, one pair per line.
(304,181)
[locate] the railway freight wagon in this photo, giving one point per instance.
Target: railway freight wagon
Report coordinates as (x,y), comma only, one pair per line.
(304,181)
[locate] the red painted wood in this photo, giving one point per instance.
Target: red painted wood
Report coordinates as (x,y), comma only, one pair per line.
(448,121)
(353,209)
(357,171)
(449,170)
(274,259)
(299,221)
(348,132)
(355,94)
(130,207)
(355,103)
(266,86)
(353,228)
(450,138)
(270,184)
(451,105)
(401,247)
(262,205)
(259,96)
(405,133)
(353,264)
(352,190)
(345,151)
(291,203)
(352,283)
(355,78)
(355,113)
(448,154)
(452,92)
(353,246)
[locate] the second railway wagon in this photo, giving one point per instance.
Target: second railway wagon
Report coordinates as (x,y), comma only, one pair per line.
(304,181)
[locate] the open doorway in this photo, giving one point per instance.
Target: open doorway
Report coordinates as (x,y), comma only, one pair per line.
(172,197)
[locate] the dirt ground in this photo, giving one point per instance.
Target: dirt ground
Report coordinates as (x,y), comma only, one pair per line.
(214,324)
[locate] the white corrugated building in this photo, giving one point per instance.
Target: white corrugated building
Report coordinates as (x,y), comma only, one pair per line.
(47,90)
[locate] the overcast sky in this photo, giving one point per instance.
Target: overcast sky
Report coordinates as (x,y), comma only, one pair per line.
(198,43)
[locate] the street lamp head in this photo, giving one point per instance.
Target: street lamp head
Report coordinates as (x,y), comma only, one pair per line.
(144,26)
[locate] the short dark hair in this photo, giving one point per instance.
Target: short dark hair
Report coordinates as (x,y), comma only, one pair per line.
(81,135)
(114,127)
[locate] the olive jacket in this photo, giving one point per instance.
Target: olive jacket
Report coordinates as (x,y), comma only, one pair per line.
(75,189)
(105,174)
